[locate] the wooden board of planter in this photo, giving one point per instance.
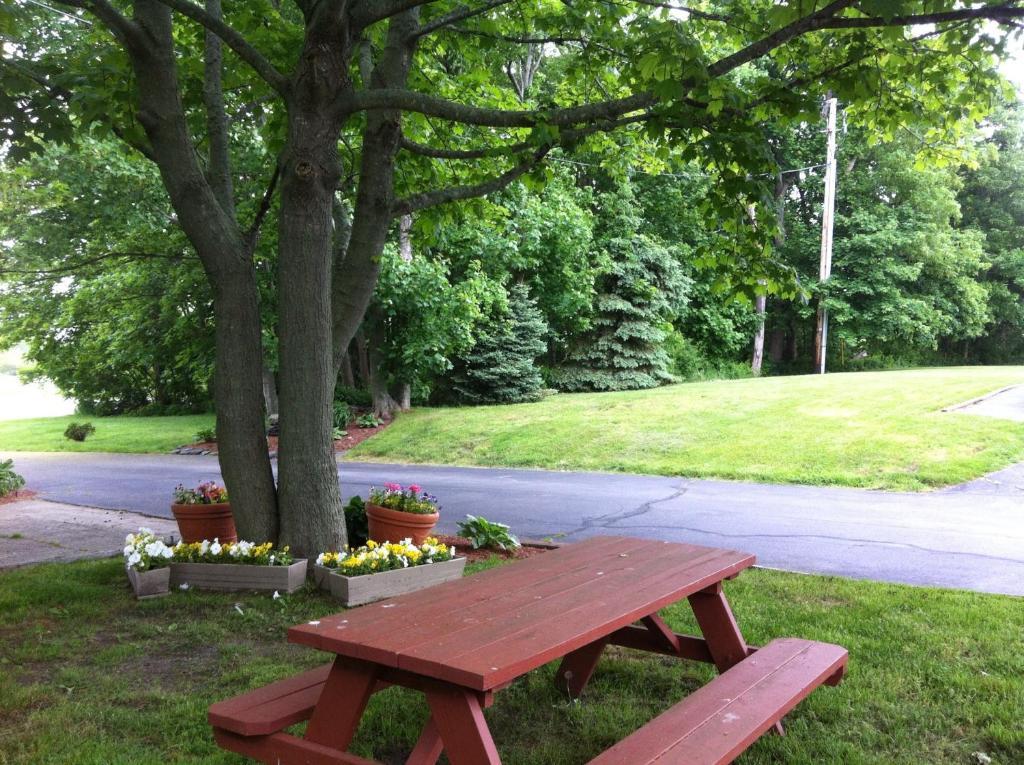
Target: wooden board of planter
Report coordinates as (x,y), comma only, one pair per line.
(234,576)
(359,590)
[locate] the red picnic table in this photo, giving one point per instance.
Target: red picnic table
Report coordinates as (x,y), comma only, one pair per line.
(461,641)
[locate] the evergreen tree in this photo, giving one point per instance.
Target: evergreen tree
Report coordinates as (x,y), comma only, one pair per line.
(500,367)
(638,293)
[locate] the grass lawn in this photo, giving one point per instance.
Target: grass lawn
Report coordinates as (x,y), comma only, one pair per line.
(88,675)
(113,434)
(870,429)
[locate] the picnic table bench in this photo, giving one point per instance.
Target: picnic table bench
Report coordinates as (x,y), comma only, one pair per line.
(460,642)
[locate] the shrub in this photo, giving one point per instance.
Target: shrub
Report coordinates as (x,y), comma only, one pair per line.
(353,396)
(10,481)
(342,413)
(484,533)
(355,522)
(337,433)
(79,431)
(205,435)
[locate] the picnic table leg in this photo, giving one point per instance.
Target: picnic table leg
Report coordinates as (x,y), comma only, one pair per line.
(459,717)
(576,668)
(429,747)
(342,703)
(722,633)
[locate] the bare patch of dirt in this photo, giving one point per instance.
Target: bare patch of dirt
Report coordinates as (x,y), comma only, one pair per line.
(17,496)
(465,548)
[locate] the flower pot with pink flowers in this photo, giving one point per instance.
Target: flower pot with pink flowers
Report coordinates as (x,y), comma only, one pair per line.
(204,513)
(396,513)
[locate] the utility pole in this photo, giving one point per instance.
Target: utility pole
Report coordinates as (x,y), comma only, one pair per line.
(827,218)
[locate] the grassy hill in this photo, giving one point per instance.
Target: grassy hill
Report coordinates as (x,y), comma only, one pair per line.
(870,429)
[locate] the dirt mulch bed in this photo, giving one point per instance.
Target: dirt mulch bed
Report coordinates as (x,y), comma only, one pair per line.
(465,548)
(356,435)
(17,496)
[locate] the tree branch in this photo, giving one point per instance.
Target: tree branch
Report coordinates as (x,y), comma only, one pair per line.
(454,193)
(234,40)
(431,106)
(460,14)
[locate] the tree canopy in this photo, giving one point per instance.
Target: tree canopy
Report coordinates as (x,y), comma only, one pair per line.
(343,116)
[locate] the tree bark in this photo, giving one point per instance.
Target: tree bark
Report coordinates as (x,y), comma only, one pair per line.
(759,307)
(309,497)
(244,461)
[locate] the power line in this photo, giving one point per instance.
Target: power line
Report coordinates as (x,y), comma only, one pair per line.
(71,16)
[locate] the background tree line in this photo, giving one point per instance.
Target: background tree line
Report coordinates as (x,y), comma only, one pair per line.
(589,280)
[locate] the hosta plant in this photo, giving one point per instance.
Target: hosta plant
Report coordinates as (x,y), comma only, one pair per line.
(484,533)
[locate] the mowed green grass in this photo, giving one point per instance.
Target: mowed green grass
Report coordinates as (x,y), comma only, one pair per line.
(89,676)
(869,429)
(113,434)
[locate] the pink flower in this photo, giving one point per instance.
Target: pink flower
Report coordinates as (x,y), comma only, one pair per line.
(415,488)
(393,487)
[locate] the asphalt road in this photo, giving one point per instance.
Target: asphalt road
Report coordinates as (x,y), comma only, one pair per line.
(970,536)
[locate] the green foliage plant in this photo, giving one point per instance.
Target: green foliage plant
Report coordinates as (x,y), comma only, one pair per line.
(369,420)
(341,414)
(79,431)
(10,482)
(483,533)
(206,435)
(356,523)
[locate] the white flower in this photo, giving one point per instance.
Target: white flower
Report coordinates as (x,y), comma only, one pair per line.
(129,539)
(215,548)
(167,552)
(277,595)
(183,586)
(128,550)
(204,547)
(134,558)
(319,559)
(272,558)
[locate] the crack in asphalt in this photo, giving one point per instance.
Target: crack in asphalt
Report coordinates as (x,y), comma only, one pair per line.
(922,548)
(604,521)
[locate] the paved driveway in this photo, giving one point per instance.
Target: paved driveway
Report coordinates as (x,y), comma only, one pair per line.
(971,536)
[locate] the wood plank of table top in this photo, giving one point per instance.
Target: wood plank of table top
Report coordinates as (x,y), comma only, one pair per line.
(443,618)
(507,648)
(566,591)
(362,625)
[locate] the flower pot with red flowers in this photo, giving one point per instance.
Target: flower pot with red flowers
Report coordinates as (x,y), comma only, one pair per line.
(204,513)
(395,513)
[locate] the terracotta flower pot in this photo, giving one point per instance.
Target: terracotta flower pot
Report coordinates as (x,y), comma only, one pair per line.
(199,522)
(388,525)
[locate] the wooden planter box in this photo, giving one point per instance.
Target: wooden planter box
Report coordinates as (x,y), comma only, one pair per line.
(238,576)
(150,584)
(321,577)
(357,590)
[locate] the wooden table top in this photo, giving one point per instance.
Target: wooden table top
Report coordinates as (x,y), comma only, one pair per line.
(484,630)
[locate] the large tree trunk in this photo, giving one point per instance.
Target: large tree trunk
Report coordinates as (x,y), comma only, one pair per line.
(309,498)
(245,463)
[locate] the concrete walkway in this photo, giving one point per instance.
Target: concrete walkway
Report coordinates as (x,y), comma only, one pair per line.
(970,536)
(37,531)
